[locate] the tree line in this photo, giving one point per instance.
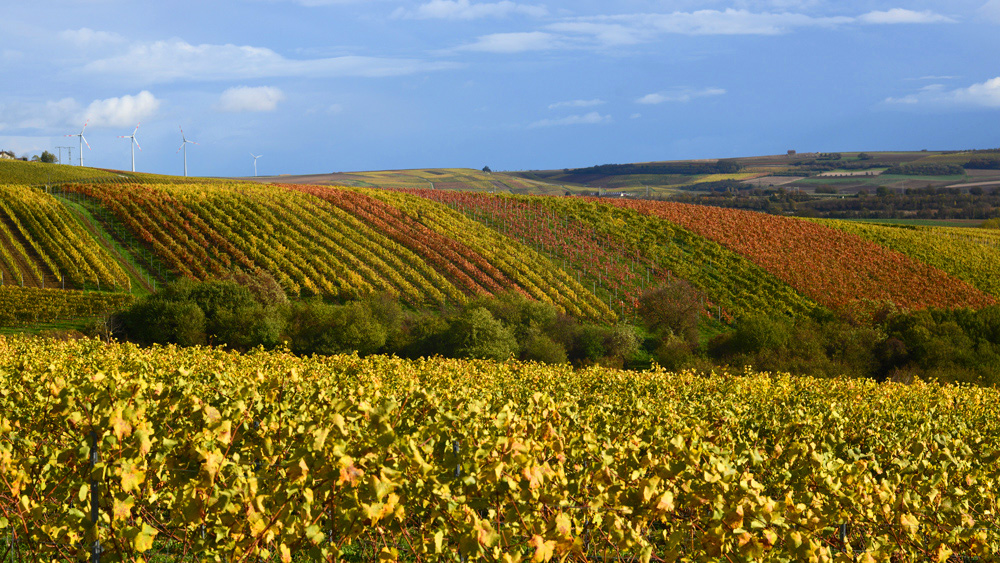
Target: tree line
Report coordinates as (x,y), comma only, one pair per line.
(670,328)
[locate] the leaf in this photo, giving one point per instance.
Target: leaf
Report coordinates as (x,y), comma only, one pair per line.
(122,509)
(119,425)
(564,526)
(286,554)
(131,477)
(909,522)
(543,549)
(143,541)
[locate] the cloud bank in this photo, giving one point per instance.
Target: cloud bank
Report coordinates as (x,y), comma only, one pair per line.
(248,99)
(465,10)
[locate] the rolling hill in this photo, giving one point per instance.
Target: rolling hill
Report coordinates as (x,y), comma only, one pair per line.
(591,257)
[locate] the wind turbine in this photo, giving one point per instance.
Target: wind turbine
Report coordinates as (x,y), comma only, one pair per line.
(82,141)
(184,144)
(255,157)
(134,143)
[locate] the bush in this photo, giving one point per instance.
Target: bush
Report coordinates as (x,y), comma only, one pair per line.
(541,348)
(673,309)
(315,327)
(476,334)
(164,321)
(421,334)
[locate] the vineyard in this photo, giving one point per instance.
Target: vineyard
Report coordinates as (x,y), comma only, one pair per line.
(40,241)
(20,306)
(173,454)
(621,254)
(834,268)
(592,258)
(971,255)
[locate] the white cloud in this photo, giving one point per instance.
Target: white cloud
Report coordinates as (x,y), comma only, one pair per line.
(518,42)
(681,96)
(576,104)
(165,61)
(587,119)
(604,31)
(465,10)
(984,94)
(40,116)
(85,37)
(990,11)
(121,112)
(635,116)
(630,28)
(250,99)
(900,15)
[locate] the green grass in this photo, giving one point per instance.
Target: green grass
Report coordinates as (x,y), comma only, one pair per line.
(48,329)
(117,250)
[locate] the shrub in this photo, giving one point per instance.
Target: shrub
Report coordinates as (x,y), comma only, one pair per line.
(164,321)
(673,309)
(541,348)
(476,334)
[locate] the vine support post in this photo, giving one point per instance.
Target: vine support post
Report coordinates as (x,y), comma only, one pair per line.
(95,507)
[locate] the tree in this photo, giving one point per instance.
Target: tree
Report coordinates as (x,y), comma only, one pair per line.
(487,169)
(47,157)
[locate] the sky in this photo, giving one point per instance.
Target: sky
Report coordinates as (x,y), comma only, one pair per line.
(318,86)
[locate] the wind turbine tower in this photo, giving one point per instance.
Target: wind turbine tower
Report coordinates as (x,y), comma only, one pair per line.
(255,157)
(184,144)
(134,143)
(83,140)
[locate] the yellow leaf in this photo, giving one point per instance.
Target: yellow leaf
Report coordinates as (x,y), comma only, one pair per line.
(286,554)
(908,522)
(225,432)
(144,539)
(121,510)
(131,477)
(212,414)
(564,527)
(666,502)
(120,426)
(543,549)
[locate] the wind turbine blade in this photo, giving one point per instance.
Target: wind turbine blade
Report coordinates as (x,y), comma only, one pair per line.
(136,142)
(181,147)
(84,127)
(84,139)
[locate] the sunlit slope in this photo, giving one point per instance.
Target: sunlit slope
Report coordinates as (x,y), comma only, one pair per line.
(835,268)
(37,173)
(593,258)
(972,255)
(42,245)
(336,243)
(619,253)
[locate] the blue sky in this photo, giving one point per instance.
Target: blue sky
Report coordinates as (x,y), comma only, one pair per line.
(336,85)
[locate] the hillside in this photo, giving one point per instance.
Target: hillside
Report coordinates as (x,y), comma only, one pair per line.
(592,258)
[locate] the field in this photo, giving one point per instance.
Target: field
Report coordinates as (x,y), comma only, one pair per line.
(436,247)
(265,455)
